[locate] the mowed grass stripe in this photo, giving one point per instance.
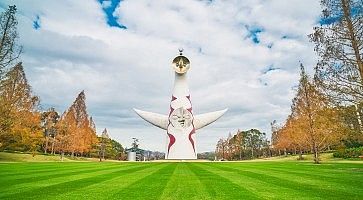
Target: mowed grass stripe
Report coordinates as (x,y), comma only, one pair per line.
(307,190)
(270,187)
(149,187)
(25,167)
(262,189)
(321,169)
(20,172)
(24,186)
(59,172)
(184,184)
(296,186)
(66,183)
(39,167)
(38,178)
(107,189)
(349,179)
(219,187)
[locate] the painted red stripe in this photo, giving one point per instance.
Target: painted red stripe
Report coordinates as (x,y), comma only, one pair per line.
(171,141)
(191,139)
(171,110)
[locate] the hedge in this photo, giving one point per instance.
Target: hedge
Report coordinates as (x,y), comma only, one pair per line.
(349,153)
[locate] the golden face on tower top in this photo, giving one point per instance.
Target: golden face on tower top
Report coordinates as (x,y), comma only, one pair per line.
(181,64)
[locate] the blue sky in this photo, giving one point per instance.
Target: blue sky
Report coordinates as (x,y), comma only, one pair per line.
(109,7)
(244,55)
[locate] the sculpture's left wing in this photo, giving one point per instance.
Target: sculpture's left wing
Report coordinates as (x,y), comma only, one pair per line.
(155,119)
(203,120)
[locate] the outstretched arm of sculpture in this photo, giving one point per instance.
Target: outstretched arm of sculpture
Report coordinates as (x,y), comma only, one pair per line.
(155,119)
(203,120)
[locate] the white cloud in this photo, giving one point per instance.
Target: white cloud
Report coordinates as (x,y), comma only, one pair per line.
(119,69)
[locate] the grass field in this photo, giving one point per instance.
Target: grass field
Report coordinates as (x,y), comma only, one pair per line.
(181,180)
(27,157)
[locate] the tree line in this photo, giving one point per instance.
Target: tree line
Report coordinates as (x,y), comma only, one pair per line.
(327,108)
(326,112)
(314,124)
(23,127)
(243,145)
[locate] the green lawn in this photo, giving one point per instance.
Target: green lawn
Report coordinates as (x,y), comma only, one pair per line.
(27,157)
(178,180)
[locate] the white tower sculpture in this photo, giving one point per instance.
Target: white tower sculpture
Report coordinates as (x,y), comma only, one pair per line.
(180,124)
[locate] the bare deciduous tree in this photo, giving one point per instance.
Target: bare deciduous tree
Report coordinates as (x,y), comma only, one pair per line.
(339,44)
(314,120)
(9,50)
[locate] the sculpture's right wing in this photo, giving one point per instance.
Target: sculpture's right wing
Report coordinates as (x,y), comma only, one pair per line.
(203,120)
(155,119)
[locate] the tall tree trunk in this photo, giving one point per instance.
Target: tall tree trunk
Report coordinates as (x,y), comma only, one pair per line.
(316,154)
(270,152)
(300,154)
(240,153)
(46,144)
(5,32)
(222,153)
(358,118)
(62,155)
(53,142)
(353,37)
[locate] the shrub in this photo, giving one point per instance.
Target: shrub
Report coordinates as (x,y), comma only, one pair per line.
(349,153)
